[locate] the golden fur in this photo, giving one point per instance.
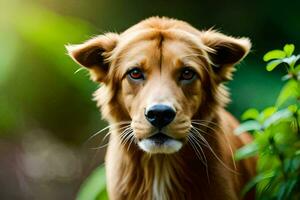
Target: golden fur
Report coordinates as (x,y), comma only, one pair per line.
(203,168)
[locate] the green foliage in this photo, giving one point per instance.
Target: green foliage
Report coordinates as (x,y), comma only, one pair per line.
(276,133)
(37,78)
(94,188)
(276,57)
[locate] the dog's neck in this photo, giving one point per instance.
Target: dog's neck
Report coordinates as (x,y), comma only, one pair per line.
(162,176)
(159,176)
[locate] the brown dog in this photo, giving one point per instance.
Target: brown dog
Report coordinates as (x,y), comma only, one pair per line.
(164,98)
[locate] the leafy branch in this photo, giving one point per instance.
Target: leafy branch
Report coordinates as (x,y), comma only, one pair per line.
(276,133)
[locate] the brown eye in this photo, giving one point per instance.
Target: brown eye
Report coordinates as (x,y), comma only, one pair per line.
(187,74)
(136,74)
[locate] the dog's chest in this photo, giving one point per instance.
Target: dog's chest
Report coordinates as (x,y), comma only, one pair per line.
(166,185)
(161,182)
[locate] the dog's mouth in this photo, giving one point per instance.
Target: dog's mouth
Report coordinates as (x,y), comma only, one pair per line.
(160,143)
(159,138)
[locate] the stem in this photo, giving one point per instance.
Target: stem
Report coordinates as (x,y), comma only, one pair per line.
(297,122)
(280,158)
(291,71)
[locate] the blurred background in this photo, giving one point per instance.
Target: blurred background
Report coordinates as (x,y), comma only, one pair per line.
(46,111)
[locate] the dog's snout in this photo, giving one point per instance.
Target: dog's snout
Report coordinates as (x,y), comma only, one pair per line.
(160,115)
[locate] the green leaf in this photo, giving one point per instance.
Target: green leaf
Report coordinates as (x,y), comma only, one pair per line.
(283,135)
(246,151)
(274,54)
(289,49)
(266,113)
(265,187)
(94,186)
(293,108)
(291,60)
(251,113)
(279,115)
(257,179)
(265,160)
(271,65)
(247,126)
(286,188)
(286,77)
(297,68)
(289,90)
(102,196)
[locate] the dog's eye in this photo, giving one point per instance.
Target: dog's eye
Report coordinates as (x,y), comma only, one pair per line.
(187,74)
(136,74)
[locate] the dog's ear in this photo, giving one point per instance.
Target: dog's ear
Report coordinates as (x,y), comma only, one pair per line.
(224,52)
(92,54)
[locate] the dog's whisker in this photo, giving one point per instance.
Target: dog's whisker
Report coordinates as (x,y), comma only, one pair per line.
(106,135)
(217,126)
(199,145)
(132,138)
(105,145)
(204,142)
(202,131)
(100,147)
(207,123)
(203,159)
(121,128)
(227,142)
(200,148)
(127,137)
(124,136)
(106,128)
(191,140)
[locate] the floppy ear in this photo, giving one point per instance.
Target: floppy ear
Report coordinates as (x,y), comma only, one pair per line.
(224,52)
(93,53)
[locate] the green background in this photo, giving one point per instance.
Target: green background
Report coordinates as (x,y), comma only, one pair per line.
(46,112)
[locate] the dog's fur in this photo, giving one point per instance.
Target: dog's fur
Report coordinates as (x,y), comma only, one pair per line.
(200,165)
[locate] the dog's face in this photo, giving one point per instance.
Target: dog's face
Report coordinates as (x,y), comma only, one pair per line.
(160,74)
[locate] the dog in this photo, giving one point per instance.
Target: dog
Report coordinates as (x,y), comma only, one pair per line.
(162,92)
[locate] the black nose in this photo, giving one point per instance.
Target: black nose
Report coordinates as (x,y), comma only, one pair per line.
(160,115)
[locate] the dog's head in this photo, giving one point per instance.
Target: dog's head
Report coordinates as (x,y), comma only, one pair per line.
(160,74)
